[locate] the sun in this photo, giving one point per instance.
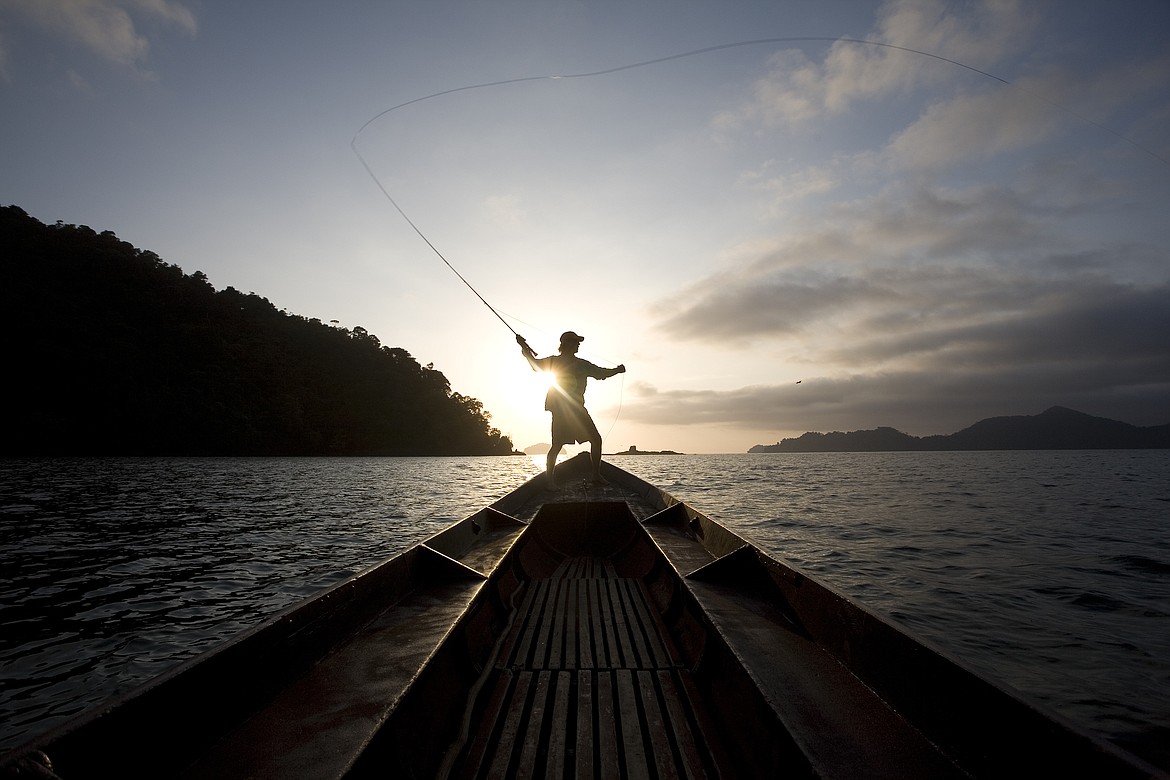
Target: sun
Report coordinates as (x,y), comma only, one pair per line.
(543,380)
(546,379)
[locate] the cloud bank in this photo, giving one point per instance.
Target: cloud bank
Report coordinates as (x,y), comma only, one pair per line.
(989,269)
(108,29)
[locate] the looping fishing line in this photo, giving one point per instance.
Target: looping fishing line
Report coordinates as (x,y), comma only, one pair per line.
(656,61)
(353,144)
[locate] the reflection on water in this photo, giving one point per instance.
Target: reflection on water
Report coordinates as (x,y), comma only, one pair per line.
(1049,571)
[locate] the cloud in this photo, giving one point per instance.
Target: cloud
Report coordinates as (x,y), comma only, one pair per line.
(1091,322)
(974,127)
(1101,348)
(798,89)
(977,268)
(902,275)
(1029,111)
(106,28)
(927,308)
(908,248)
(781,188)
(170,11)
(916,402)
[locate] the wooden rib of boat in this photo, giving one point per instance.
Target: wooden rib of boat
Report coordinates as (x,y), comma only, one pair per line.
(598,631)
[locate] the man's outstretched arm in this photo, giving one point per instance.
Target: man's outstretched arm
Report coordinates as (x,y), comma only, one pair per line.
(529,355)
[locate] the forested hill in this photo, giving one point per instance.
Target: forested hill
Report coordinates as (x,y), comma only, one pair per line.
(110,350)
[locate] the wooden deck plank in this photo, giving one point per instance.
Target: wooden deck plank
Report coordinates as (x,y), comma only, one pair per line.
(619,648)
(633,744)
(530,750)
(572,616)
(560,737)
(512,723)
(660,742)
(601,640)
(547,627)
(644,640)
(585,727)
(544,627)
(607,744)
(522,631)
(651,623)
(585,655)
(556,624)
(633,649)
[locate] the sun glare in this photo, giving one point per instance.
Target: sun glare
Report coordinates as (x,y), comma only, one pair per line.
(545,379)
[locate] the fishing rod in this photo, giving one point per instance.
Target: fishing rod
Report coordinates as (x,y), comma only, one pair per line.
(423,236)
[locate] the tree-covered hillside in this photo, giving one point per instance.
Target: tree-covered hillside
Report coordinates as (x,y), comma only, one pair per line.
(110,350)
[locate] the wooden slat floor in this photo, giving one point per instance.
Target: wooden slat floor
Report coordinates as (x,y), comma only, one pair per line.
(587,684)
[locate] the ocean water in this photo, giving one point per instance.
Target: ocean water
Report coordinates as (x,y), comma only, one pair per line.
(1047,571)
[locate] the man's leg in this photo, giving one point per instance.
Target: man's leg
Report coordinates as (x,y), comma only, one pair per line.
(595,455)
(550,463)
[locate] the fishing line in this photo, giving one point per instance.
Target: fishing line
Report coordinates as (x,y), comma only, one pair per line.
(657,61)
(423,236)
(353,144)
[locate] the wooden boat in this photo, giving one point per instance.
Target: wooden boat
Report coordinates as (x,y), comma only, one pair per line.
(599,631)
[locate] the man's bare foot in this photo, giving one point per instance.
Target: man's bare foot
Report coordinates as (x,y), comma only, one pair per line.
(597,479)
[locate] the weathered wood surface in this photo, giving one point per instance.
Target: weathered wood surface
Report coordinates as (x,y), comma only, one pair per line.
(587,683)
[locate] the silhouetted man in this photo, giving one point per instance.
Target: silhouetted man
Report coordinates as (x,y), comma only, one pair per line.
(571,422)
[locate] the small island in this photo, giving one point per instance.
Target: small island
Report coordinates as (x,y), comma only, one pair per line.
(633,450)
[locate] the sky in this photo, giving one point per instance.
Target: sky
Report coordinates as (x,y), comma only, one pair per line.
(781,216)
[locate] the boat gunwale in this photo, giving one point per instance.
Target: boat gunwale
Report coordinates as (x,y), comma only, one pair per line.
(404,571)
(784,579)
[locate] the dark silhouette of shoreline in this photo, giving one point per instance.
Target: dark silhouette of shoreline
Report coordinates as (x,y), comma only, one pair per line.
(121,353)
(1057,428)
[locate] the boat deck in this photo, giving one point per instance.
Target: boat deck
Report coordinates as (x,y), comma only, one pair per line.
(587,683)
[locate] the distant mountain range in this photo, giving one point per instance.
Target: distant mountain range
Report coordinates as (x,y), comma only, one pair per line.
(1057,428)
